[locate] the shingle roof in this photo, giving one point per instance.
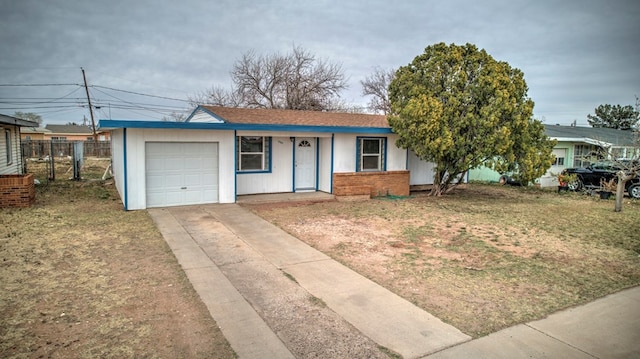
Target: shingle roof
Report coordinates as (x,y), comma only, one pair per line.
(608,135)
(34,130)
(293,117)
(10,120)
(68,129)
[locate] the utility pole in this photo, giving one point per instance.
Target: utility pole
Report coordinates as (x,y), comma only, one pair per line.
(93,122)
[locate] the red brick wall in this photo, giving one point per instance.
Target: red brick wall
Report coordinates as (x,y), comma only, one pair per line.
(17,190)
(379,183)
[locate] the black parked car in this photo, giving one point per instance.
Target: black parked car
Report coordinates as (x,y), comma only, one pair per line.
(591,176)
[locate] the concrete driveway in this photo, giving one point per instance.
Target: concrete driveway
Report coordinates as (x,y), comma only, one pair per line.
(274,296)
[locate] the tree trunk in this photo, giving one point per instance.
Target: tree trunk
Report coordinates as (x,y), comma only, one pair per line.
(619,195)
(622,181)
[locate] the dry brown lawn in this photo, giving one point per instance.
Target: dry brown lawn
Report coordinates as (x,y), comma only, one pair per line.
(81,278)
(482,258)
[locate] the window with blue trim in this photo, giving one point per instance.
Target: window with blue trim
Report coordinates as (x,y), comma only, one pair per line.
(253,153)
(371,154)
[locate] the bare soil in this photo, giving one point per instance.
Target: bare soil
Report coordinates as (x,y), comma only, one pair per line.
(81,278)
(482,258)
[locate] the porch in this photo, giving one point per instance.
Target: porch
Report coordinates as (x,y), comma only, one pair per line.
(286,197)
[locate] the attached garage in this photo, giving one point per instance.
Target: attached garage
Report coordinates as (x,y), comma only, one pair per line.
(181,173)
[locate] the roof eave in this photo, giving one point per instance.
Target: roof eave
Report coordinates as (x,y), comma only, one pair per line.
(117,124)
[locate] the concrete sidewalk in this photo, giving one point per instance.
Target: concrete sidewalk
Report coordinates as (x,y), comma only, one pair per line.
(253,254)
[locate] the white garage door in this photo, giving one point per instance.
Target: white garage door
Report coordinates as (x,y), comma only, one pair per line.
(181,173)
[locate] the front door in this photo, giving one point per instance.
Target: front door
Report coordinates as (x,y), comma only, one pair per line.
(305,164)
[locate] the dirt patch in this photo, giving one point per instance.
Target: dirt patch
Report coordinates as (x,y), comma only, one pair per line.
(80,277)
(483,258)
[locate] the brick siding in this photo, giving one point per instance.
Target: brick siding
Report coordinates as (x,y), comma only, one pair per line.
(17,190)
(373,183)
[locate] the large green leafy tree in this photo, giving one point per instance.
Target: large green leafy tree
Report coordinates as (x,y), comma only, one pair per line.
(614,116)
(459,108)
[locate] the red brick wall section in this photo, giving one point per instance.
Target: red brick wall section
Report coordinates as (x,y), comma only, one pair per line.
(377,183)
(17,191)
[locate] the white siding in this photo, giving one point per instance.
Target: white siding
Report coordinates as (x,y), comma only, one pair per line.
(324,165)
(117,160)
(344,151)
(14,166)
(280,179)
(136,139)
(396,157)
(421,171)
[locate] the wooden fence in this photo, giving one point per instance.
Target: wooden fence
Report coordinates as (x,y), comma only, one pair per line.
(43,148)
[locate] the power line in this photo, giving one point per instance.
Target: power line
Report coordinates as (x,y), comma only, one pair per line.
(141,94)
(30,85)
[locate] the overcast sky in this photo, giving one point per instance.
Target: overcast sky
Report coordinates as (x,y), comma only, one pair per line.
(575,54)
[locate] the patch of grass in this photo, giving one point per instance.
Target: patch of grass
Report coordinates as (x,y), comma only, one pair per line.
(484,257)
(80,277)
(390,353)
(317,301)
(414,234)
(291,278)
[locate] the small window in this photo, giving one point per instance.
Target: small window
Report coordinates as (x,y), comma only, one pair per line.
(253,153)
(8,149)
(559,161)
(58,139)
(371,154)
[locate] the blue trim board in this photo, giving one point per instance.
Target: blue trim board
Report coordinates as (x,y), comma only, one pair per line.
(113,124)
(235,164)
(317,163)
(293,165)
(200,108)
(126,183)
(384,154)
(332,149)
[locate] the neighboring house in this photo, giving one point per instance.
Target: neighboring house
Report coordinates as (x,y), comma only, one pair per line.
(219,153)
(10,154)
(34,133)
(576,147)
(73,133)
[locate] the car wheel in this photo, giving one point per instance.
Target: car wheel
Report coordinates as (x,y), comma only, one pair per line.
(575,185)
(634,191)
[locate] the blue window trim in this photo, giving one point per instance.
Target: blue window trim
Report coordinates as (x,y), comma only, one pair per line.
(384,152)
(269,157)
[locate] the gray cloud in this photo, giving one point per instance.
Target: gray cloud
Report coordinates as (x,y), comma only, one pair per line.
(575,54)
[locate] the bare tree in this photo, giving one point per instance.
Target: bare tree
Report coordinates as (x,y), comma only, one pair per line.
(294,81)
(175,116)
(377,86)
(217,96)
